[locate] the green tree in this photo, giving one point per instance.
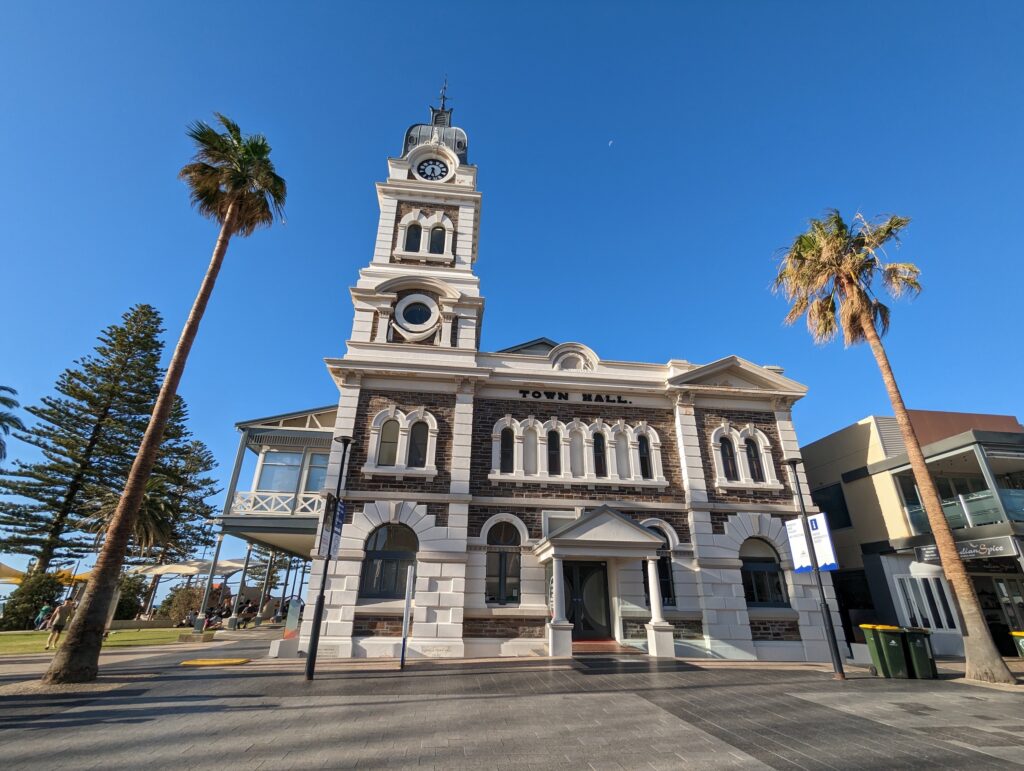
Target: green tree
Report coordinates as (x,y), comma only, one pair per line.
(35,591)
(828,274)
(179,601)
(129,602)
(233,181)
(8,420)
(84,433)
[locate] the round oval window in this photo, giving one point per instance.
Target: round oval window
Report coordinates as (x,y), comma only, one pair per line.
(416,313)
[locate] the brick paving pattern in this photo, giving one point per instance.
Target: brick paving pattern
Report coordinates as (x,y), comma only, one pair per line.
(591,713)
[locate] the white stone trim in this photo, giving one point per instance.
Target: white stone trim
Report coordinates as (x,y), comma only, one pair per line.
(613,433)
(512,519)
(746,480)
(405,424)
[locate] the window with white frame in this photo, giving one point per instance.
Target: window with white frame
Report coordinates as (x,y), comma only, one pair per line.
(743,458)
(925,602)
(426,236)
(576,452)
(402,444)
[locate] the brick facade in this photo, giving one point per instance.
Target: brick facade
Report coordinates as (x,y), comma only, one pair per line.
(707,421)
(504,626)
(774,630)
(682,628)
(404,207)
(487,412)
(441,406)
(379,626)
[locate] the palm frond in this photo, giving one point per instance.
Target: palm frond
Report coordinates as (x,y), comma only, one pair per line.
(233,172)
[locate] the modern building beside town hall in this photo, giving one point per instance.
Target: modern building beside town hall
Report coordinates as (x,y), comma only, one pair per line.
(656,493)
(889,572)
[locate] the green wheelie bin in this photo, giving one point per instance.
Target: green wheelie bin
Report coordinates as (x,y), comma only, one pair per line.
(922,660)
(886,645)
(878,666)
(1018,641)
(890,640)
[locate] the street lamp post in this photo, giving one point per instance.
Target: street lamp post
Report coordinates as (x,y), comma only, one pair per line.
(826,613)
(318,611)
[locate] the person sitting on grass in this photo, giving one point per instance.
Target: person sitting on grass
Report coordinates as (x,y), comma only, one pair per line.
(60,618)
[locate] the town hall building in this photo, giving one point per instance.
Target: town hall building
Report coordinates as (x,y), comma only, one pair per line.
(547,498)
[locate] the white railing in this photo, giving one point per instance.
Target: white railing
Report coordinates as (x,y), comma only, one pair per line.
(256,502)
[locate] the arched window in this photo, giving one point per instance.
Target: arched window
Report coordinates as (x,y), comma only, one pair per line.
(530,461)
(665,582)
(437,235)
(413,235)
(729,470)
(644,450)
(508,449)
(388,452)
(418,445)
(600,461)
(623,464)
(754,460)
(763,583)
(390,550)
(577,446)
(503,562)
(554,453)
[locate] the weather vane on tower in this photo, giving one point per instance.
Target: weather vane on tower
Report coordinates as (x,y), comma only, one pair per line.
(444,92)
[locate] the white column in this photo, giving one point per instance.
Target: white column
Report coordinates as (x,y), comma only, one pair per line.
(558,591)
(654,585)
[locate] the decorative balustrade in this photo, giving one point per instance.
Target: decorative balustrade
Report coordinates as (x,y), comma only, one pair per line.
(257,502)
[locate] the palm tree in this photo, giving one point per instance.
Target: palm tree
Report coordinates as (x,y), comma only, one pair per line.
(8,420)
(233,181)
(828,274)
(154,523)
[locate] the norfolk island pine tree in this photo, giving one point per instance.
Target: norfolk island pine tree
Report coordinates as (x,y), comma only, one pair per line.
(827,275)
(232,180)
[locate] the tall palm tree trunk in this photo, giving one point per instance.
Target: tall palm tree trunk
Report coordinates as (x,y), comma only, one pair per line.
(983,660)
(77,660)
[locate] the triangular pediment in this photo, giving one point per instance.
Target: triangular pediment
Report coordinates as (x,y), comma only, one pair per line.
(605,525)
(734,372)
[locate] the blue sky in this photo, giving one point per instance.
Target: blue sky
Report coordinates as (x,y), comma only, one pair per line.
(641,163)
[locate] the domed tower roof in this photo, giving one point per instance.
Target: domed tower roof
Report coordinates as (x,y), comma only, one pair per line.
(440,122)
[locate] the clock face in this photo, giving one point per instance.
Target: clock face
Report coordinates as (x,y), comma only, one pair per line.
(432,169)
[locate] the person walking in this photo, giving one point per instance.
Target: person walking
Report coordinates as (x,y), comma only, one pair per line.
(60,618)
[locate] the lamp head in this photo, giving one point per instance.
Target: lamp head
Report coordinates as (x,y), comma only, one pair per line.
(793,461)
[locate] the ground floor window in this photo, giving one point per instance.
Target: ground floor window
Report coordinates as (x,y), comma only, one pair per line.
(390,550)
(665,582)
(763,582)
(503,564)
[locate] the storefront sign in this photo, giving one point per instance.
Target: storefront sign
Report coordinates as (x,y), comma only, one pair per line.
(979,548)
(823,549)
(566,396)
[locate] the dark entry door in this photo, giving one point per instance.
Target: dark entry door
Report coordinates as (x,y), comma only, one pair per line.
(586,589)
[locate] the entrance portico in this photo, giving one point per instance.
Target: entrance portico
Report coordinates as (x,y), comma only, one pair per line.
(579,554)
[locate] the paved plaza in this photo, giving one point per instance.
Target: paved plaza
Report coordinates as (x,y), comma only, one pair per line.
(594,712)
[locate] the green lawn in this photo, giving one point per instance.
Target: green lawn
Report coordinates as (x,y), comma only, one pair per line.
(33,642)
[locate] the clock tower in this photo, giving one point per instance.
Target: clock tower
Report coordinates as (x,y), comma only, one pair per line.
(419,299)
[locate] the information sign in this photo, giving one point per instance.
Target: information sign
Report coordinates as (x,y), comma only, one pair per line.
(821,539)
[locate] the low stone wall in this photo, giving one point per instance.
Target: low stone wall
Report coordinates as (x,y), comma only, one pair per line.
(774,630)
(683,628)
(504,627)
